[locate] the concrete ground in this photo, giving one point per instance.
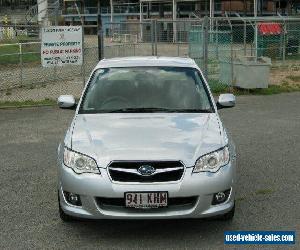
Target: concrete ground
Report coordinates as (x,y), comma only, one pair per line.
(266,132)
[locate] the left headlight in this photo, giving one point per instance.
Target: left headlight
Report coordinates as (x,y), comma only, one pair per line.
(213,161)
(80,163)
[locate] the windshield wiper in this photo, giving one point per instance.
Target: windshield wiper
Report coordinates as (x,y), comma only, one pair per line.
(153,110)
(191,110)
(136,110)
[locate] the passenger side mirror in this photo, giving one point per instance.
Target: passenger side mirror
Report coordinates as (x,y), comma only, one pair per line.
(226,101)
(66,102)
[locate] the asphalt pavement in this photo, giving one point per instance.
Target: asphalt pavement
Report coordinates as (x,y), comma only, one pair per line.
(266,130)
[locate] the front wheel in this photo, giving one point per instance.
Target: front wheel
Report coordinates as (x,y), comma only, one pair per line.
(229,215)
(63,216)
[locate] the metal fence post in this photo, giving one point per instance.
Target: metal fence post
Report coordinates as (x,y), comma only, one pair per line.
(255,40)
(83,59)
(217,39)
(231,59)
(284,42)
(205,47)
(179,39)
(55,72)
(155,37)
(152,36)
(99,29)
(21,63)
(245,40)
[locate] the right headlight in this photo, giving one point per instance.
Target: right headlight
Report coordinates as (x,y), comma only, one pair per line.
(213,161)
(80,163)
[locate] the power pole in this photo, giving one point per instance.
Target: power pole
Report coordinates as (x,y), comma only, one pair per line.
(99,32)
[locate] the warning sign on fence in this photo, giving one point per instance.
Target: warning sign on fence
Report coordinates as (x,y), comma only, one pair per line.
(61,45)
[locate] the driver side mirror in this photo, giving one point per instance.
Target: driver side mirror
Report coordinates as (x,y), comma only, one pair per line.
(226,101)
(66,102)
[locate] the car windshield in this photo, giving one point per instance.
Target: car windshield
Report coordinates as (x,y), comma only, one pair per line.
(146,89)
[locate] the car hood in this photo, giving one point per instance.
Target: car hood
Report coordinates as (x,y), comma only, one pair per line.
(155,136)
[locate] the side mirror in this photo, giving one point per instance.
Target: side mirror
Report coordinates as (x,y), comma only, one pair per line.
(66,102)
(226,101)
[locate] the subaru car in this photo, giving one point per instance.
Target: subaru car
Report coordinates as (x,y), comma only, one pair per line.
(146,142)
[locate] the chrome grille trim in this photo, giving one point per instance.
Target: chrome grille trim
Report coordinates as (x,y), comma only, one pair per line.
(123,171)
(134,171)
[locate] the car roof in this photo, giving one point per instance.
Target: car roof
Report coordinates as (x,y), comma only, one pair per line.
(139,61)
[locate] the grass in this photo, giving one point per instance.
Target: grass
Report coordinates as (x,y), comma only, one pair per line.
(293,57)
(9,53)
(19,39)
(271,90)
(294,78)
(264,191)
(257,192)
(217,89)
(240,199)
(29,103)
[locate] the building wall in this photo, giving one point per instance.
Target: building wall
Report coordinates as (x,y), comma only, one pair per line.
(16,4)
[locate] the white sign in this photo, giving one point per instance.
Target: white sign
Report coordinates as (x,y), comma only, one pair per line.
(61,45)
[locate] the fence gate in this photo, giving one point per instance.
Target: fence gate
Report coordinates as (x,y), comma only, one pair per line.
(198,39)
(211,48)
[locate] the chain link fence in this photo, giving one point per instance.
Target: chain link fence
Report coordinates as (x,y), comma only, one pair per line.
(212,51)
(23,77)
(153,37)
(218,46)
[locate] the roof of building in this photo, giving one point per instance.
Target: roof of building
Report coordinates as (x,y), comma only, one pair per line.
(147,61)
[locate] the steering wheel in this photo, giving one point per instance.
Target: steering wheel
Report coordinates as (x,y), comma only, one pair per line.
(117,99)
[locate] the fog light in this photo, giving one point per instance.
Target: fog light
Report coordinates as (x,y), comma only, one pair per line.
(73,199)
(220,197)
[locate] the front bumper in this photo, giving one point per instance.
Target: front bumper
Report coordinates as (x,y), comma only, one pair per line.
(200,185)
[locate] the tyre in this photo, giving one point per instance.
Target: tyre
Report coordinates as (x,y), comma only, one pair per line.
(229,215)
(63,216)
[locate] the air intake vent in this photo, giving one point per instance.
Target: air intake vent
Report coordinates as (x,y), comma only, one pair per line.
(146,171)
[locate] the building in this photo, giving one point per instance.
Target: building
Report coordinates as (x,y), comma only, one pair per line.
(85,11)
(29,11)
(10,5)
(15,10)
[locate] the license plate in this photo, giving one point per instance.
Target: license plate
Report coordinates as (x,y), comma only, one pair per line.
(146,199)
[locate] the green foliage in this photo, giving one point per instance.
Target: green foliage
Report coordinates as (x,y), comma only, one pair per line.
(294,78)
(264,191)
(9,54)
(28,103)
(219,88)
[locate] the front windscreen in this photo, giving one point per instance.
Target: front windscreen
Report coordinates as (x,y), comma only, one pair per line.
(146,89)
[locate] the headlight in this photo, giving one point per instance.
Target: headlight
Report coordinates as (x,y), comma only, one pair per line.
(80,163)
(212,162)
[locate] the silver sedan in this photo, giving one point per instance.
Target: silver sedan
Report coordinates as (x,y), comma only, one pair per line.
(146,142)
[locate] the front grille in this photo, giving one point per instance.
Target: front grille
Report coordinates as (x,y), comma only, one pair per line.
(164,171)
(172,202)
